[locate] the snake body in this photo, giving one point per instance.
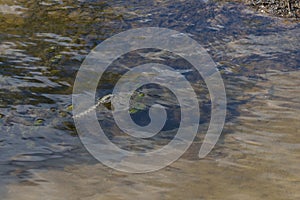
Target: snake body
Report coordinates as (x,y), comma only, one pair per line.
(104,100)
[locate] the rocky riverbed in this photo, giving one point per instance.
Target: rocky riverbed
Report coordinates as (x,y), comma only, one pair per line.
(282,8)
(279,8)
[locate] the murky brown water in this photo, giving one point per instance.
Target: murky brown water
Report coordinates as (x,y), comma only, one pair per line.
(258,156)
(259,160)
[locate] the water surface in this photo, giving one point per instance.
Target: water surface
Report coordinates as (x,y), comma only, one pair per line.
(42,44)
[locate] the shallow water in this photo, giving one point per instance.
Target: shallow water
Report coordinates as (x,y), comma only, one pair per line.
(42,44)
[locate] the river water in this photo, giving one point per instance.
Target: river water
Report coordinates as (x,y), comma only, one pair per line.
(42,44)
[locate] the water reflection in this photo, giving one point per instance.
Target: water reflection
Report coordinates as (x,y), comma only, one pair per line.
(42,44)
